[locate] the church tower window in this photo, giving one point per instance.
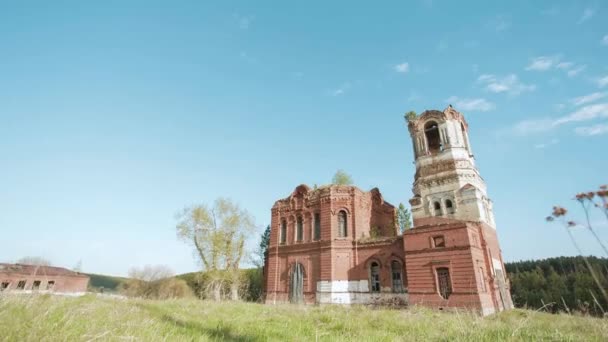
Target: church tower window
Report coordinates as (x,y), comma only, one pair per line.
(433,139)
(443,282)
(342,224)
(374,272)
(437,207)
(283,234)
(449,206)
(299,229)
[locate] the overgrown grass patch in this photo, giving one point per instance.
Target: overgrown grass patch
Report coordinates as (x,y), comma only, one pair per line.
(50,318)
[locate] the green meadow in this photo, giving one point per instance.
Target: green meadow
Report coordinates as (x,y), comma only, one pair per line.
(93,318)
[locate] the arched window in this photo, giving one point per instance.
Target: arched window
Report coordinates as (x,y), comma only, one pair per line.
(283,235)
(465,137)
(299,229)
(437,207)
(296,284)
(433,139)
(317,232)
(342,226)
(443,282)
(449,206)
(396,276)
(374,273)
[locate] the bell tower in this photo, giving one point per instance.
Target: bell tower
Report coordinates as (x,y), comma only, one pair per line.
(447,184)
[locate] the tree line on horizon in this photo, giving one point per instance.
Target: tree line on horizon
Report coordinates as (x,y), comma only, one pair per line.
(560,284)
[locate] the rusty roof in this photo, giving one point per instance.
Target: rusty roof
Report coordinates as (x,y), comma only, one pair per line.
(38,270)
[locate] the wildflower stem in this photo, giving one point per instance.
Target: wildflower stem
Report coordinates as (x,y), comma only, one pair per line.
(591,270)
(591,228)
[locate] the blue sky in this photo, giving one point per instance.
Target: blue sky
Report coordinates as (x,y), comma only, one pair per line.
(115,115)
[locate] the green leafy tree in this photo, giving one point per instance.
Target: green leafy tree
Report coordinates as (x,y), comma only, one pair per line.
(409,116)
(218,235)
(342,178)
(403,218)
(260,258)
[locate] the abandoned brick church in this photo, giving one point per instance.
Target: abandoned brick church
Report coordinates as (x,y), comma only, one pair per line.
(339,244)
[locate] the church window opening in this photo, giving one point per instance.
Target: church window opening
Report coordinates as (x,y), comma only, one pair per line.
(465,137)
(4,286)
(433,138)
(21,285)
(342,224)
(444,283)
(296,284)
(36,285)
(449,206)
(375,277)
(438,241)
(299,229)
(283,232)
(50,285)
(437,207)
(317,232)
(396,276)
(482,281)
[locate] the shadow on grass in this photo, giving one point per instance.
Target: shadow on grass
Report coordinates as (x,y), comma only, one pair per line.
(220,332)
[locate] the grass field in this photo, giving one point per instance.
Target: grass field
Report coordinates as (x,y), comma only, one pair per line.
(90,318)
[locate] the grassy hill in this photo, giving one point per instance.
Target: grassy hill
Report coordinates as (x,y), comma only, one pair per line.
(51,318)
(108,283)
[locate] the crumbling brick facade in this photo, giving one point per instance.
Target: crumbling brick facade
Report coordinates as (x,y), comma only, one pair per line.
(338,244)
(19,278)
(355,229)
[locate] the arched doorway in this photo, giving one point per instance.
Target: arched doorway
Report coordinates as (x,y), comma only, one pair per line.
(296,284)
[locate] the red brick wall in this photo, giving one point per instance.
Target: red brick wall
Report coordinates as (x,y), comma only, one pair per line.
(333,257)
(63,283)
(467,256)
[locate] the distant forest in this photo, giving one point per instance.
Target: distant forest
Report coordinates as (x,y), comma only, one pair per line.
(559,284)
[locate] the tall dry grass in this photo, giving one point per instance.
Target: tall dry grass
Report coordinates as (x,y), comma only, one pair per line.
(89,318)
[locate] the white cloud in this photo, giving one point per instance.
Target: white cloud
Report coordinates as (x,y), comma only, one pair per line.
(341,90)
(244,21)
(576,71)
(602,82)
(592,130)
(581,100)
(605,40)
(509,84)
(564,65)
(403,67)
(479,104)
(599,110)
(545,63)
(542,63)
(526,127)
(587,14)
(585,113)
(547,144)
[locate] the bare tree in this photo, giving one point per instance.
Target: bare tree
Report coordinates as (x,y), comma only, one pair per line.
(218,236)
(34,260)
(154,282)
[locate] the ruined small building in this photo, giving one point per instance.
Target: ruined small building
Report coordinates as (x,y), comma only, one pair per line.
(20,278)
(339,244)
